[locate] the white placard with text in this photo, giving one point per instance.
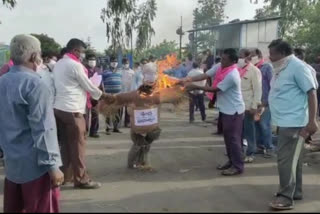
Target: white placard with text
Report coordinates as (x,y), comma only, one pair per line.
(146,117)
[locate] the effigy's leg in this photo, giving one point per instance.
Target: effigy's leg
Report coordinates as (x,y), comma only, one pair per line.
(135,151)
(149,139)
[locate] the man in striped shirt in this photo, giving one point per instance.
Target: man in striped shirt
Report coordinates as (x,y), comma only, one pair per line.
(112,81)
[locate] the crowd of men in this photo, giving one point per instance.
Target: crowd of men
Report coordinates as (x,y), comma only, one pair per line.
(251,91)
(49,104)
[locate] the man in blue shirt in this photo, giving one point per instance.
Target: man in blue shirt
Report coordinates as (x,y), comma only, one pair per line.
(112,81)
(293,106)
(180,71)
(28,133)
(231,106)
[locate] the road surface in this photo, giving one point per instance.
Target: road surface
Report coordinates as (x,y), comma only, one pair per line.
(186,179)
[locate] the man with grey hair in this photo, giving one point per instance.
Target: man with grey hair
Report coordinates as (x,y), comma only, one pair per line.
(28,134)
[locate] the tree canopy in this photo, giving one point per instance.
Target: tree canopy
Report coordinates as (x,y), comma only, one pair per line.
(299,22)
(158,51)
(48,44)
(9,3)
(208,13)
(124,17)
(289,10)
(307,35)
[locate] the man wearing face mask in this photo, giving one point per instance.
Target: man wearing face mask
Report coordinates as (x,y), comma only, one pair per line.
(46,71)
(127,81)
(112,82)
(263,126)
(251,87)
(227,86)
(28,134)
(72,85)
(138,77)
(96,79)
(91,63)
(293,106)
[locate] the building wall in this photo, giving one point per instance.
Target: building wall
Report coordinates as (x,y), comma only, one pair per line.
(259,35)
(228,37)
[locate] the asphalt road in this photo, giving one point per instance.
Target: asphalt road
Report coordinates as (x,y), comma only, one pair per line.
(186,180)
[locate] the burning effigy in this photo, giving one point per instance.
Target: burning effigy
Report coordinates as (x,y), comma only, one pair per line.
(144,109)
(163,81)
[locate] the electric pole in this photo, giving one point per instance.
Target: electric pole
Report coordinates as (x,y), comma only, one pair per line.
(180,33)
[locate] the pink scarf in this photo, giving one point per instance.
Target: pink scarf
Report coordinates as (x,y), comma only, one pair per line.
(73,57)
(243,71)
(260,63)
(10,63)
(6,68)
(220,76)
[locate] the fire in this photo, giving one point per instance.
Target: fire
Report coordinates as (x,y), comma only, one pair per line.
(167,86)
(165,81)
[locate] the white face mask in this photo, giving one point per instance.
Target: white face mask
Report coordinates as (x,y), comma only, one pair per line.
(127,66)
(92,63)
(82,56)
(52,62)
(255,60)
(114,64)
(242,63)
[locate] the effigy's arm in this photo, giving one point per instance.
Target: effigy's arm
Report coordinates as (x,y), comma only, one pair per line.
(110,104)
(124,99)
(191,87)
(173,95)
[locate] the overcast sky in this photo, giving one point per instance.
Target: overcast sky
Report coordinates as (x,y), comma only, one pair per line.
(65,19)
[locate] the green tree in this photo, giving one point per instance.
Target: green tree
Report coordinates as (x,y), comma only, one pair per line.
(266,12)
(307,35)
(160,50)
(48,44)
(145,31)
(90,49)
(124,17)
(9,3)
(208,13)
(290,12)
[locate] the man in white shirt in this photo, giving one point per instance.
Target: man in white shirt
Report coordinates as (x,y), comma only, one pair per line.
(128,76)
(197,96)
(72,84)
(95,76)
(251,87)
(46,70)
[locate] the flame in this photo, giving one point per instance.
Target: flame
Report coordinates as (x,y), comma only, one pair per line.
(165,81)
